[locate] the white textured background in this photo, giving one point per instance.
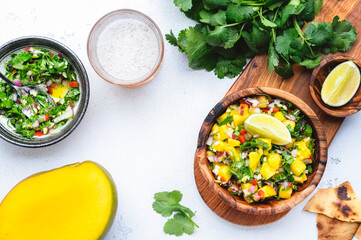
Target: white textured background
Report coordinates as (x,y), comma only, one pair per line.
(146,137)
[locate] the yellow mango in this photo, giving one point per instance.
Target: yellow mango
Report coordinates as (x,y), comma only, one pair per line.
(254,158)
(77,201)
(233,153)
(265,152)
(275,160)
(233,143)
(223,173)
(268,191)
(292,124)
(239,119)
(223,132)
(279,116)
(222,117)
(210,153)
(215,129)
(301,145)
(304,153)
(234,112)
(300,179)
(298,167)
(268,141)
(219,146)
(267,171)
(246,186)
(263,101)
(285,193)
(291,143)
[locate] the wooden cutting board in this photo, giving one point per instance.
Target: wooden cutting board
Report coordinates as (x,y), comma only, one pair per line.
(256,74)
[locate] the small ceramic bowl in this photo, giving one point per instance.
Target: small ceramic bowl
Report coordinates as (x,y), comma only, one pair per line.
(47,43)
(274,206)
(318,77)
(93,41)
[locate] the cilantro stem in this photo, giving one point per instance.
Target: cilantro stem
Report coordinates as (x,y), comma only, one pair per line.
(190,219)
(300,33)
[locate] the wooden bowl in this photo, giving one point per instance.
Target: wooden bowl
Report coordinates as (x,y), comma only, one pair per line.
(272,207)
(319,75)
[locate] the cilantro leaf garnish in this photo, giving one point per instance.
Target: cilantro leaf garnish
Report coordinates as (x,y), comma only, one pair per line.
(167,203)
(229,31)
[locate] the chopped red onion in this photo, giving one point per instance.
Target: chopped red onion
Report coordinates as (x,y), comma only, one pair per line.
(17,82)
(212,158)
(35,106)
(24,92)
(252,188)
(291,117)
(241,112)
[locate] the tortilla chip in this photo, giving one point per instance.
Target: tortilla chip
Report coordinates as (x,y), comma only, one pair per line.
(333,229)
(358,233)
(340,202)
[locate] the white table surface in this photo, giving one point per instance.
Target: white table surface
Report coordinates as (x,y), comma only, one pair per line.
(146,137)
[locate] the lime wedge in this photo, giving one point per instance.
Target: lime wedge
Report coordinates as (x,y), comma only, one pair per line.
(268,127)
(341,84)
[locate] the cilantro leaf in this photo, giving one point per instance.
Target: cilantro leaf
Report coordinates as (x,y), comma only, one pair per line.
(184,5)
(196,44)
(167,203)
(318,33)
(171,38)
(178,225)
(287,157)
(239,13)
(229,68)
(311,63)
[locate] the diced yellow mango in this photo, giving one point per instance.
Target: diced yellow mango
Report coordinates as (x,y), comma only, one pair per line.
(268,141)
(279,116)
(233,143)
(291,143)
(285,193)
(254,158)
(300,179)
(301,145)
(222,117)
(239,119)
(223,132)
(267,171)
(210,153)
(298,167)
(219,146)
(223,173)
(265,152)
(244,107)
(275,160)
(215,129)
(304,153)
(290,123)
(246,186)
(234,112)
(263,101)
(268,191)
(233,153)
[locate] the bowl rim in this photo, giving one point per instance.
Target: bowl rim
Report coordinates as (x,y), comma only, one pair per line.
(135,82)
(85,88)
(275,206)
(342,111)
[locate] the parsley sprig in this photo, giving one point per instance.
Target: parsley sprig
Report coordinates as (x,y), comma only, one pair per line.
(229,31)
(167,203)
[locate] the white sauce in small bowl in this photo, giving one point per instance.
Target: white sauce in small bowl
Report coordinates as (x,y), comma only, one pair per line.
(127,49)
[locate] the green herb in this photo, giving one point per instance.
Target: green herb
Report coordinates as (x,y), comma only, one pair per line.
(228,119)
(229,31)
(167,203)
(287,157)
(254,143)
(309,168)
(308,130)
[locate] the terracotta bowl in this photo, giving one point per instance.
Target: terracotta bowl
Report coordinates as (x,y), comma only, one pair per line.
(273,206)
(319,75)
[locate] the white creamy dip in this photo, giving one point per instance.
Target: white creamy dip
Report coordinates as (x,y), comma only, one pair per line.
(127,49)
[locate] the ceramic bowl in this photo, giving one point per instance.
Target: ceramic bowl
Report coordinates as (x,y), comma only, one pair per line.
(47,43)
(274,206)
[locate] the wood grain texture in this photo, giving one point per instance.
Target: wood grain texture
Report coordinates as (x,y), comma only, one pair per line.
(256,74)
(233,205)
(319,76)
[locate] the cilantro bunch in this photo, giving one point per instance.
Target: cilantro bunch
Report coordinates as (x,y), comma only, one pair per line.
(229,31)
(167,203)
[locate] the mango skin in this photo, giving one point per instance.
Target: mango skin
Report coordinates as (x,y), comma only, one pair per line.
(109,180)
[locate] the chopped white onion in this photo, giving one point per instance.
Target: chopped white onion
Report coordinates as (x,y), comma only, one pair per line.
(294,153)
(210,141)
(68,113)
